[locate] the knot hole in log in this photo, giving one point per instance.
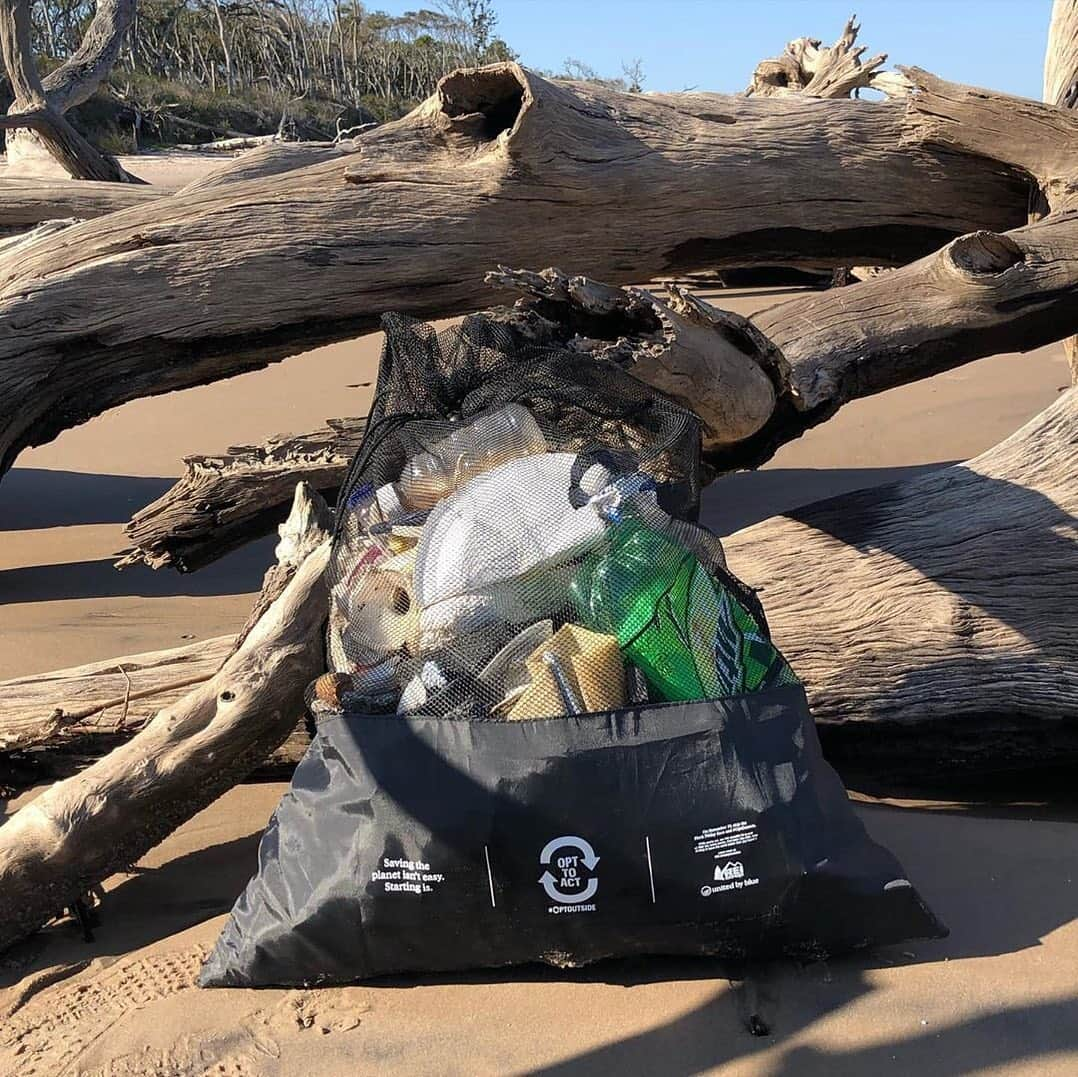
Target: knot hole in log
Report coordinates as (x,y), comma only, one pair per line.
(984,252)
(484,102)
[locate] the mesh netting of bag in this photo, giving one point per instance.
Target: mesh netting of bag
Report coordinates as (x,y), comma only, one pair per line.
(515,540)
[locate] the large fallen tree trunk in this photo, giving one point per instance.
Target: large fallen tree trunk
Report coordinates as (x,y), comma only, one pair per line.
(499,166)
(943,605)
(81,830)
(25,203)
(269,160)
(756,382)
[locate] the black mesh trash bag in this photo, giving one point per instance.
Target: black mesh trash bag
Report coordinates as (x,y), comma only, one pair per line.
(554,727)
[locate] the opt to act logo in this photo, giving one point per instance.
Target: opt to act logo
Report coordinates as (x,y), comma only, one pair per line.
(569,875)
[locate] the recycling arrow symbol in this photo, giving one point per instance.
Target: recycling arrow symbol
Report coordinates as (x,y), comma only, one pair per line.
(564,889)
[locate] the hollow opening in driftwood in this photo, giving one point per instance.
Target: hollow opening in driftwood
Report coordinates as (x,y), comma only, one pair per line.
(496,96)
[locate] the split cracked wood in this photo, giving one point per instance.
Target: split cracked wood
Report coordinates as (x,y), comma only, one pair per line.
(500,166)
(223,501)
(83,829)
(809,68)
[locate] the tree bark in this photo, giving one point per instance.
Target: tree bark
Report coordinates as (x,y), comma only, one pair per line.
(83,829)
(499,165)
(39,107)
(103,696)
(935,617)
(1061,88)
(224,501)
(76,79)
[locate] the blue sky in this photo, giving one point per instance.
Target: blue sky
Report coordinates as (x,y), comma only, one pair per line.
(714,44)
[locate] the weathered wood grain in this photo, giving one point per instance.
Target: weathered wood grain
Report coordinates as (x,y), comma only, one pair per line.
(104,696)
(25,203)
(807,66)
(500,166)
(941,599)
(224,501)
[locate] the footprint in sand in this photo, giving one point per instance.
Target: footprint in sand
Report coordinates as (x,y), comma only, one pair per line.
(52,1027)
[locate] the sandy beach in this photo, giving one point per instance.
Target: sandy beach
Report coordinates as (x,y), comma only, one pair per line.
(998,997)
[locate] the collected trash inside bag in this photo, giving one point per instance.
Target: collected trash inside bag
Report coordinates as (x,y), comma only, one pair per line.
(554,727)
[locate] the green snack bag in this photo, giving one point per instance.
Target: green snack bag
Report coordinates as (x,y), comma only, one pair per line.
(685,631)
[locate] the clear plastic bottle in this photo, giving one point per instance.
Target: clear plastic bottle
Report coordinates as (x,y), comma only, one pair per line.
(492,439)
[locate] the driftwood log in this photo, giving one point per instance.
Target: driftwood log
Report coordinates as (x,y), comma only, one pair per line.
(103,696)
(81,830)
(500,166)
(25,203)
(940,609)
(223,501)
(756,382)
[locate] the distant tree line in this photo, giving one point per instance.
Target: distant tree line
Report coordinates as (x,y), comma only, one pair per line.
(190,69)
(335,51)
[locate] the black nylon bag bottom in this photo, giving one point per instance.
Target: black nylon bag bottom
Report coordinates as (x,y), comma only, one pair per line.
(410,844)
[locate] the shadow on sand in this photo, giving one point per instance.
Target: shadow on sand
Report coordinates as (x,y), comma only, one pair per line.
(747,497)
(237,573)
(33,498)
(37,499)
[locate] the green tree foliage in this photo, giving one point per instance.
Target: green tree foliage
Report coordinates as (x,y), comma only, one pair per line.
(203,63)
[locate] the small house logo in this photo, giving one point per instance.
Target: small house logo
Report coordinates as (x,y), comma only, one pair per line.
(732,869)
